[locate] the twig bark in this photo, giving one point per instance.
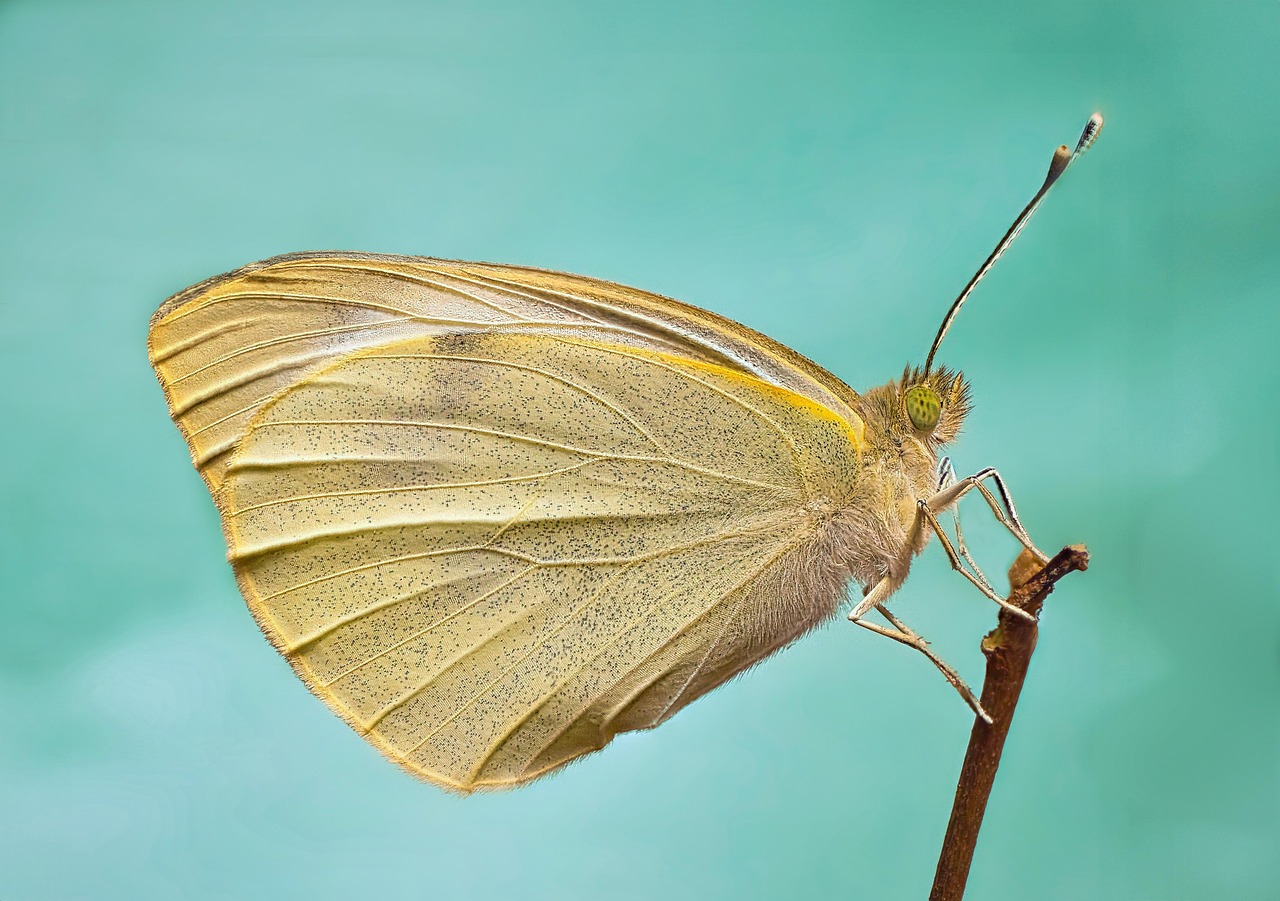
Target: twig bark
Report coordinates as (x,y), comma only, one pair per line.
(1008,651)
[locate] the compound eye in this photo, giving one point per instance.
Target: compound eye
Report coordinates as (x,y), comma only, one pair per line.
(923,407)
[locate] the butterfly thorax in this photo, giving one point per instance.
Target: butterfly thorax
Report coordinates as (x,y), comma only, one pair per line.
(898,468)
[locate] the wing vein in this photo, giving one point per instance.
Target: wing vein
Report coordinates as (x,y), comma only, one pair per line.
(613,639)
(732,398)
(647,324)
(360,492)
(413,280)
(457,519)
(245,378)
(513,436)
(357,615)
(401,558)
(624,563)
(221,419)
(509,288)
(198,338)
(565,561)
(295,336)
(592,598)
(640,689)
(571,384)
(424,632)
(189,309)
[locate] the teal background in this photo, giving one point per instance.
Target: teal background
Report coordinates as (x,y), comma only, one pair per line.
(829,173)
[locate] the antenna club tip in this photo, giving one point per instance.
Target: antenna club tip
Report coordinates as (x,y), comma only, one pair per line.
(1092,129)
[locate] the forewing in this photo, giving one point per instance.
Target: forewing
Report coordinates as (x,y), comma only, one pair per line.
(490,553)
(224,347)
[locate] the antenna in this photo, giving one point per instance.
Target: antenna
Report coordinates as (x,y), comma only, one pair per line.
(1062,158)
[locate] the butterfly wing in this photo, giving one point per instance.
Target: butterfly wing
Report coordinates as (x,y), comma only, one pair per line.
(223,347)
(492,551)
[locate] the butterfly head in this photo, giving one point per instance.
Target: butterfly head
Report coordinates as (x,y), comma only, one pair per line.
(932,405)
(906,423)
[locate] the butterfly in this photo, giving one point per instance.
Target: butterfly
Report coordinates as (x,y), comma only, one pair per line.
(494,516)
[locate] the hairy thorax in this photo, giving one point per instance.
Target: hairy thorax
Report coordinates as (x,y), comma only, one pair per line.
(875,526)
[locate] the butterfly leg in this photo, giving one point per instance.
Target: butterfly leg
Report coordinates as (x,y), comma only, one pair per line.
(947,478)
(902,633)
(1003,510)
(958,564)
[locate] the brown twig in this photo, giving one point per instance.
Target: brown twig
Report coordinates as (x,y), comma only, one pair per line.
(1008,650)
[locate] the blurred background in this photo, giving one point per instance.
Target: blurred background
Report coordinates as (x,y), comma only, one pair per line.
(829,173)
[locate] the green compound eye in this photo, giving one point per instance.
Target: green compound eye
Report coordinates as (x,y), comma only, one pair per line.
(923,407)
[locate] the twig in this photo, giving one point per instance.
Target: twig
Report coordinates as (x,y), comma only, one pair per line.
(1008,651)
